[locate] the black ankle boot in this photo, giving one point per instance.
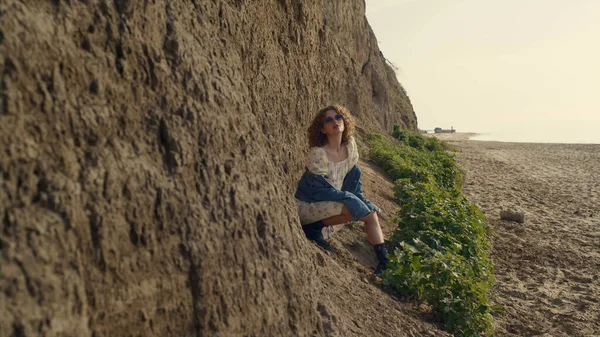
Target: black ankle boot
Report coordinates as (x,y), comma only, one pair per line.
(381,252)
(313,233)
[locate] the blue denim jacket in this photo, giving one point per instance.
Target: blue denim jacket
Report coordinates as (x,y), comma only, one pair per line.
(313,188)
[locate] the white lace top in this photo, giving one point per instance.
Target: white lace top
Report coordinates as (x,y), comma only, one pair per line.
(334,173)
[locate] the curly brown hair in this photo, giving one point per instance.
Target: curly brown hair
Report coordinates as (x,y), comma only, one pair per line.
(317,138)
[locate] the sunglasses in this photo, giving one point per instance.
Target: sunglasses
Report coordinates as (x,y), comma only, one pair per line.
(337,118)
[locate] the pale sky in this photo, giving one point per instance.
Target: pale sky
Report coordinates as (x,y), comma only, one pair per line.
(488,65)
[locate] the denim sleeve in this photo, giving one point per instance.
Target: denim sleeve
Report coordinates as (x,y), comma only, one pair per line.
(357,207)
(313,188)
(359,195)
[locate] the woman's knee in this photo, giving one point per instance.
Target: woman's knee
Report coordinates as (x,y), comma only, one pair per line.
(369,217)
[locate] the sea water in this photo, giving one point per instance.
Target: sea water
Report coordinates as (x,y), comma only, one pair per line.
(563,132)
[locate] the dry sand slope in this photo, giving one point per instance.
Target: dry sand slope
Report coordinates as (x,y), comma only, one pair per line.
(547,269)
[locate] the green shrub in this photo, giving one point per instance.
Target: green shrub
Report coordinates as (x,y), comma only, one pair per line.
(444,252)
(447,282)
(420,165)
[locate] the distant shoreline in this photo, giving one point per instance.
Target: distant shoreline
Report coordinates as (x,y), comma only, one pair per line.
(468,136)
(455,136)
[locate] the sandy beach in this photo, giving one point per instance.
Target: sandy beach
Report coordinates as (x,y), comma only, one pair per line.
(547,268)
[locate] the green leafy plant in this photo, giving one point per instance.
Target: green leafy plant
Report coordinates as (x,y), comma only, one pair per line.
(443,254)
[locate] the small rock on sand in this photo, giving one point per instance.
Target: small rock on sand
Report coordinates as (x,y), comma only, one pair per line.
(512,216)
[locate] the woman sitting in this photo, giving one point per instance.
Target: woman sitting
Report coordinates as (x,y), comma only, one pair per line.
(329,192)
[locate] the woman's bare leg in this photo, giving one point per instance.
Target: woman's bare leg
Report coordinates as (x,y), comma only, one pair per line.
(374,233)
(337,220)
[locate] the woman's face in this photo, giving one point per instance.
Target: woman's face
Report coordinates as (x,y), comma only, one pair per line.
(333,123)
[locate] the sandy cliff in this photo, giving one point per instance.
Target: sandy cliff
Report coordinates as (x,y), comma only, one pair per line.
(150,151)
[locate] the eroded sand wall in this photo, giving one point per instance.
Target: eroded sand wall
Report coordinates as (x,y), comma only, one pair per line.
(150,150)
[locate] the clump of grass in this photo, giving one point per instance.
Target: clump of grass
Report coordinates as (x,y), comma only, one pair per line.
(355,224)
(449,147)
